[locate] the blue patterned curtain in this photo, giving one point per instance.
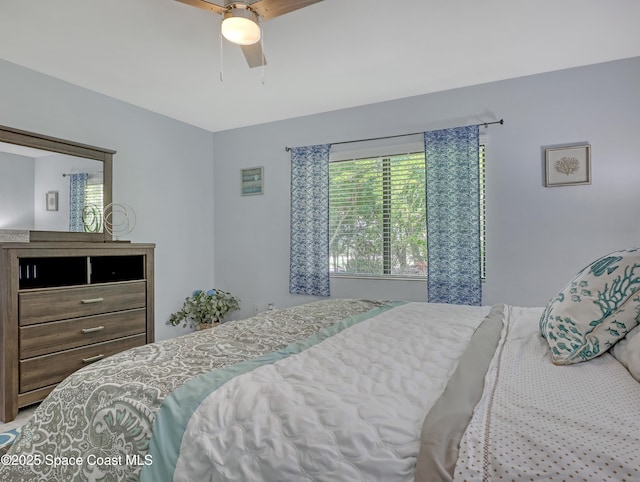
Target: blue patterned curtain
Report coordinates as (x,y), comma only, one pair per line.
(309,262)
(77,187)
(453,216)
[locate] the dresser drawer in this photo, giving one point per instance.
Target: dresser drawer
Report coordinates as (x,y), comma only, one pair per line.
(40,306)
(46,338)
(51,369)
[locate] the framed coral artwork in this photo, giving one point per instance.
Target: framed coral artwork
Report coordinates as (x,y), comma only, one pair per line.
(567,165)
(52,201)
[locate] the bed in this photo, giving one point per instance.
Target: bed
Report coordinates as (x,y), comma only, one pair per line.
(363,390)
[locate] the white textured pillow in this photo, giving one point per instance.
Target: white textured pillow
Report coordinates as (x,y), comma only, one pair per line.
(627,352)
(596,309)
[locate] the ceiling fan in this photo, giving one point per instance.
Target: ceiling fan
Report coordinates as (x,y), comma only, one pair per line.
(241,21)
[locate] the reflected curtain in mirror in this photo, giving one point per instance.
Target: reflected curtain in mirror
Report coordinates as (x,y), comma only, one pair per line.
(77,188)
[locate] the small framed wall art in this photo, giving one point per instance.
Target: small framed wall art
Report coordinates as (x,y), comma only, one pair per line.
(52,200)
(568,165)
(252,180)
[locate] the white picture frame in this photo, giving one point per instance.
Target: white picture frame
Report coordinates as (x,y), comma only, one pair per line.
(52,201)
(568,165)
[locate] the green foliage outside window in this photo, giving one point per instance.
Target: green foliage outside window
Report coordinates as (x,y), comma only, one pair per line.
(377,216)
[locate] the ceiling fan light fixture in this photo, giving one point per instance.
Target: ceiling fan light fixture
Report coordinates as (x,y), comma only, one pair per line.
(240,26)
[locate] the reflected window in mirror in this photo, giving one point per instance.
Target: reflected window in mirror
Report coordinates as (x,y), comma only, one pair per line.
(94,204)
(86,198)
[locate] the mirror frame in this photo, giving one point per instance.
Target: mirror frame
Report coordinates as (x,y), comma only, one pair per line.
(62,146)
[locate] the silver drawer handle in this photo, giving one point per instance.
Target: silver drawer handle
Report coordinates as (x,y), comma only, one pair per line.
(92,359)
(92,300)
(92,330)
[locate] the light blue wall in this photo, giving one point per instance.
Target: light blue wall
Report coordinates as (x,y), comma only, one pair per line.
(16,191)
(163,169)
(537,237)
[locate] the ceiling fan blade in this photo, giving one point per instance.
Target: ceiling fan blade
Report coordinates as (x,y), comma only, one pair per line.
(212,7)
(274,8)
(254,55)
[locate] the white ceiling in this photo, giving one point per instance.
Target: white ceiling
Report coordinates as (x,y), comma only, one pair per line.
(165,56)
(23,151)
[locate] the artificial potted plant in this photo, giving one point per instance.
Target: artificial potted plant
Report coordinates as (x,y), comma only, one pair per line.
(204,308)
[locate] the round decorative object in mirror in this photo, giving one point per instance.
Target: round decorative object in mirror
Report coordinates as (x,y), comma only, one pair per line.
(119,218)
(92,219)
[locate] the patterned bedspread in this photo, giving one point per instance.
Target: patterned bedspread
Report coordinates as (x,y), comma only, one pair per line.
(104,413)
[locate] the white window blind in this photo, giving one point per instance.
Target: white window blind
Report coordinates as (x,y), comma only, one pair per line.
(93,195)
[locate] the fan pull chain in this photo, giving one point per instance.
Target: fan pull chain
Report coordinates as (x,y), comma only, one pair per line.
(263,62)
(221,59)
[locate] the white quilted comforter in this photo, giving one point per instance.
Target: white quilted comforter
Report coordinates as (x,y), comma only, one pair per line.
(349,407)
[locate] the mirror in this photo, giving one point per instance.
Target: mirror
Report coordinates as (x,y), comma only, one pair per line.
(35,176)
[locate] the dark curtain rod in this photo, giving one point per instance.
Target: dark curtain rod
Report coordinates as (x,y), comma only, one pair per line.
(485,124)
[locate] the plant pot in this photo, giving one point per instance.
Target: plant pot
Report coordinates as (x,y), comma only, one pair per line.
(205,326)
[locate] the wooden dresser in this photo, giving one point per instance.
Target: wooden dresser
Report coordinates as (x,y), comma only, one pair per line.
(66,305)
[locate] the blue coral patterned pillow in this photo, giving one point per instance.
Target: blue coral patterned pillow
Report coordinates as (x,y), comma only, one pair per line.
(595,310)
(627,352)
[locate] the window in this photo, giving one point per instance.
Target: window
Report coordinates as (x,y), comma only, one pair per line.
(93,205)
(377,216)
